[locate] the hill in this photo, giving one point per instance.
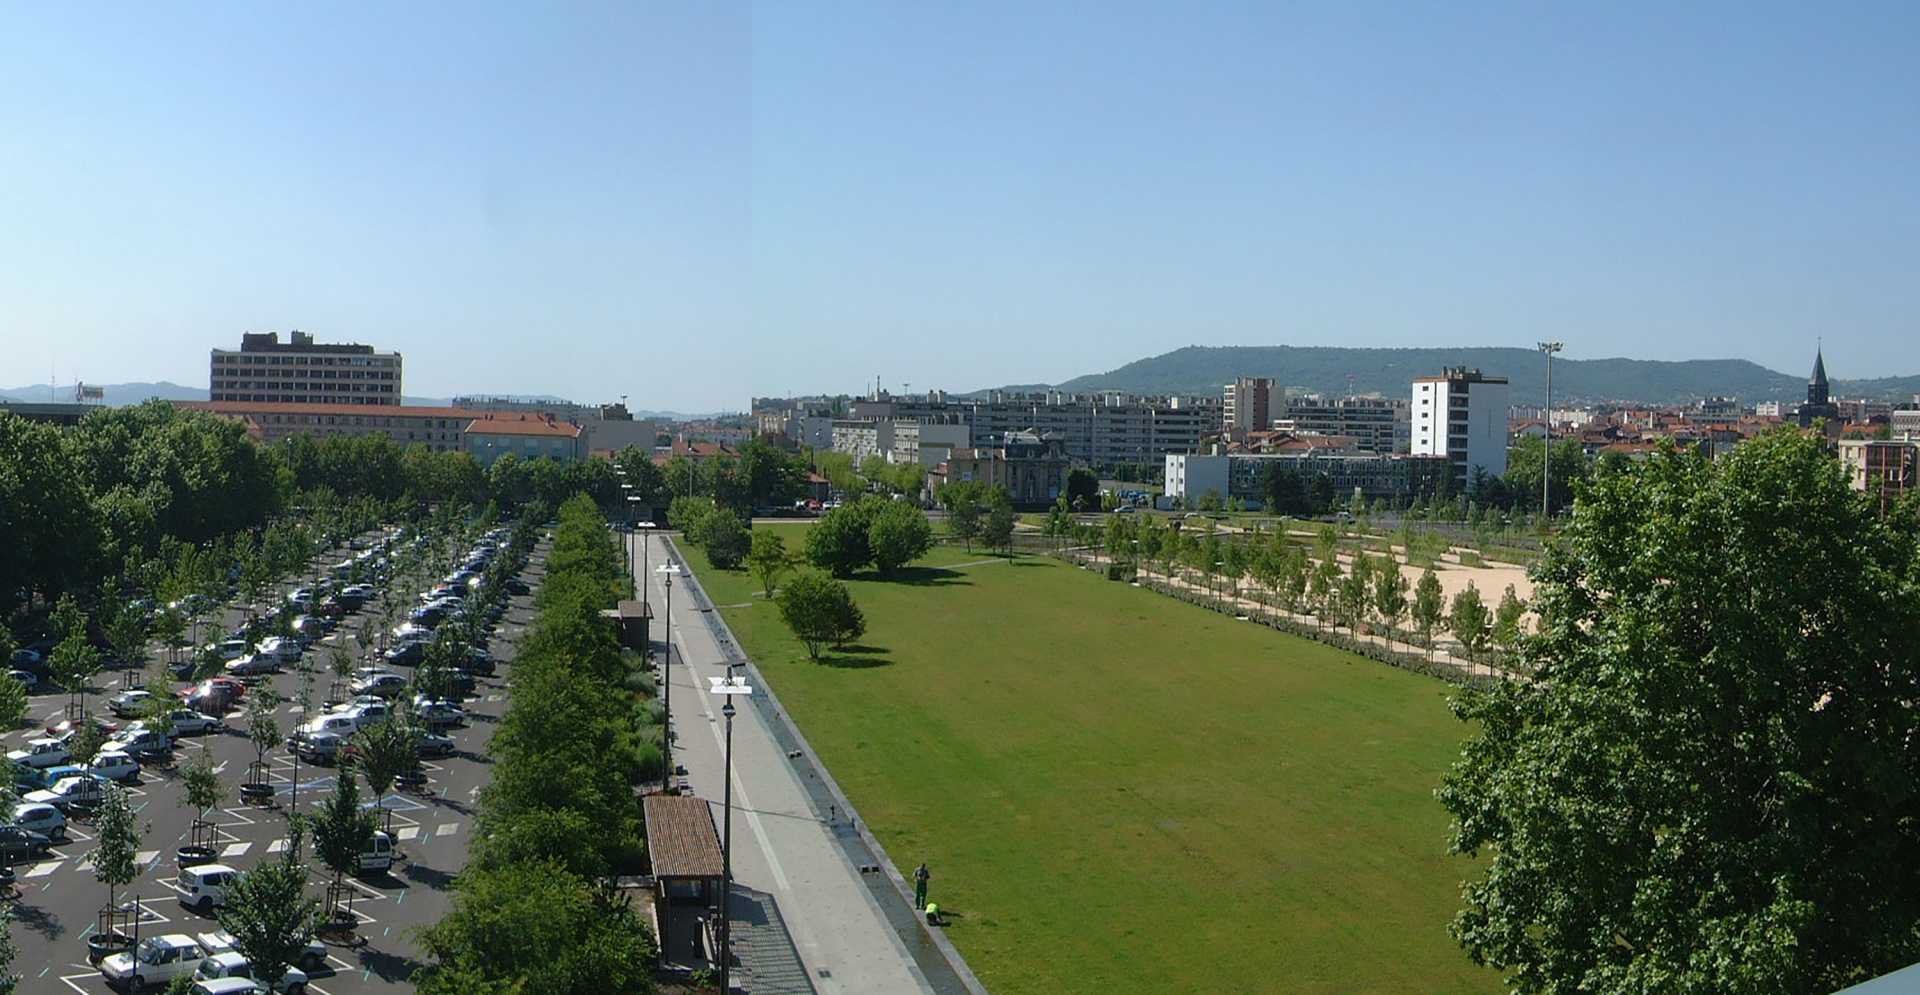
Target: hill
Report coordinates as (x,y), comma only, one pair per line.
(1201,370)
(116,393)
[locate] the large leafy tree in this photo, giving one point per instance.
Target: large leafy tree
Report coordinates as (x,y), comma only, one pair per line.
(538,925)
(839,543)
(269,913)
(898,535)
(1707,785)
(819,610)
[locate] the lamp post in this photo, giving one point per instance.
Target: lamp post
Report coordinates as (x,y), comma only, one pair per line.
(1546,446)
(727,687)
(666,572)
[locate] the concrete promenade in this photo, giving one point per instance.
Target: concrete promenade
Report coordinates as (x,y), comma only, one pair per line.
(817,906)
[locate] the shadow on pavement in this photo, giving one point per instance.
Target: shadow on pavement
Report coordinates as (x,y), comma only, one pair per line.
(389,967)
(428,877)
(39,920)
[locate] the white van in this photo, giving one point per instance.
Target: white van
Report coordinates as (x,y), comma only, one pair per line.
(203,888)
(378,856)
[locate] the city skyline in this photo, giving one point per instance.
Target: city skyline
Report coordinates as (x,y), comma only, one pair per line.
(784,199)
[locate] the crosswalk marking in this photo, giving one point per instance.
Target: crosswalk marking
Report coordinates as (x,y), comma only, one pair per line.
(408,832)
(236,849)
(277,846)
(145,856)
(446,829)
(42,870)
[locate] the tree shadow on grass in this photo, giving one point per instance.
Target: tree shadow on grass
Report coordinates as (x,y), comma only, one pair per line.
(854,656)
(925,577)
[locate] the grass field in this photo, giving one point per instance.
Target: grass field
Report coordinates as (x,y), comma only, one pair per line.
(1117,792)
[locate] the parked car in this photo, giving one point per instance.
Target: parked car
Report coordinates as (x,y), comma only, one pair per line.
(364,713)
(254,665)
(340,725)
(478,661)
(233,964)
(280,648)
(187,722)
(231,648)
(154,963)
(113,765)
(311,959)
(439,714)
(23,844)
(363,592)
(82,790)
(35,778)
(41,753)
(64,729)
(227,986)
(407,654)
(26,678)
(320,748)
(382,685)
(203,887)
(39,817)
(142,744)
(129,704)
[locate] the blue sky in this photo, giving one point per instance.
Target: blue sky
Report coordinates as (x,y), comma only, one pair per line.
(692,203)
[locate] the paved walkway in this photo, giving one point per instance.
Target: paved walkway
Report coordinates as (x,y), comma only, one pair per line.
(798,849)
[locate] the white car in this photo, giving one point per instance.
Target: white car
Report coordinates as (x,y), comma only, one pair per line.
(279,648)
(233,964)
(364,714)
(337,725)
(42,818)
(312,959)
(83,789)
(129,704)
(42,753)
(154,963)
(112,765)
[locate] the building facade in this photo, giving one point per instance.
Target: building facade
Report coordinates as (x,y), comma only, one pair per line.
(265,370)
(439,429)
(1462,416)
(1102,430)
(1376,424)
(529,436)
(1390,476)
(1246,406)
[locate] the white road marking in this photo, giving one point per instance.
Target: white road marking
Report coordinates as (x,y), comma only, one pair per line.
(236,849)
(43,869)
(408,832)
(446,829)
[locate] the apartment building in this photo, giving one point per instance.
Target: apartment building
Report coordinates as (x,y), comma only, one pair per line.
(1247,406)
(439,429)
(1376,424)
(1462,415)
(301,371)
(1099,430)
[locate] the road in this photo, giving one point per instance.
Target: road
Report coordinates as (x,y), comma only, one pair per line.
(797,845)
(61,900)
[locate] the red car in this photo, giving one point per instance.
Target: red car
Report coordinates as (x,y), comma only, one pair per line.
(219,688)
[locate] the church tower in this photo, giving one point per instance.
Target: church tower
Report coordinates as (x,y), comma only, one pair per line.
(1819,400)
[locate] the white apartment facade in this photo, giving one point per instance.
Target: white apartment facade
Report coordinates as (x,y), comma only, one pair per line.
(1462,415)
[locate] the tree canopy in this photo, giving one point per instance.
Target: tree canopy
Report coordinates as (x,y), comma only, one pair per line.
(1707,785)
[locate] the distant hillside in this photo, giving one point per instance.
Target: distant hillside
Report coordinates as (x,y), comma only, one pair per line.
(117,393)
(1202,370)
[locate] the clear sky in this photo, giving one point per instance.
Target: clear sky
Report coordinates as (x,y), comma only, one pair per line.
(691,203)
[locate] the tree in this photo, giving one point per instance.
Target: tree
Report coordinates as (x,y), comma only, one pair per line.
(727,541)
(9,981)
(269,913)
(342,830)
(1706,783)
(820,611)
(1389,594)
(964,522)
(13,704)
(768,558)
(116,841)
(1429,606)
(898,535)
(997,533)
(1506,620)
(838,543)
(1468,620)
(535,927)
(387,750)
(1083,489)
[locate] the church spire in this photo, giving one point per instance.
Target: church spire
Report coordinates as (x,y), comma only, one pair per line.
(1819,378)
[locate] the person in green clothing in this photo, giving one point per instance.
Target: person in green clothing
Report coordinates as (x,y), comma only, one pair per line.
(933,914)
(920,878)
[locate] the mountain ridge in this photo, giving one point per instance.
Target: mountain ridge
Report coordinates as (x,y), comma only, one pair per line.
(1338,372)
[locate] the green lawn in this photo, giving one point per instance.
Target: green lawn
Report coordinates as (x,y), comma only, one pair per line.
(1117,792)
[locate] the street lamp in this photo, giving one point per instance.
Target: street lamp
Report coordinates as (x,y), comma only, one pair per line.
(667,572)
(728,687)
(1546,447)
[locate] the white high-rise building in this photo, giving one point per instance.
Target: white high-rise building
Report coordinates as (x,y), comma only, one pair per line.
(1463,416)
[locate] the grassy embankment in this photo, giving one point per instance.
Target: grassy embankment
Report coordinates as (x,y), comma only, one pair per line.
(1119,792)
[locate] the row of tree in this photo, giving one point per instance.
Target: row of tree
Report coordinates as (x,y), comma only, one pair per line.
(534,908)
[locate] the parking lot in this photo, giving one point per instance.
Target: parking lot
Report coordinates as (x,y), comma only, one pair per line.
(60,901)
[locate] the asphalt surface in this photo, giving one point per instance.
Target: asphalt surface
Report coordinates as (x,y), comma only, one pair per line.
(60,900)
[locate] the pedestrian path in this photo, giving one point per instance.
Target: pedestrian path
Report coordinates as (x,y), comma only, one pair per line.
(849,931)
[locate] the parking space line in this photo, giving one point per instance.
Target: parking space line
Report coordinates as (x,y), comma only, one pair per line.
(446,828)
(236,849)
(408,832)
(43,869)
